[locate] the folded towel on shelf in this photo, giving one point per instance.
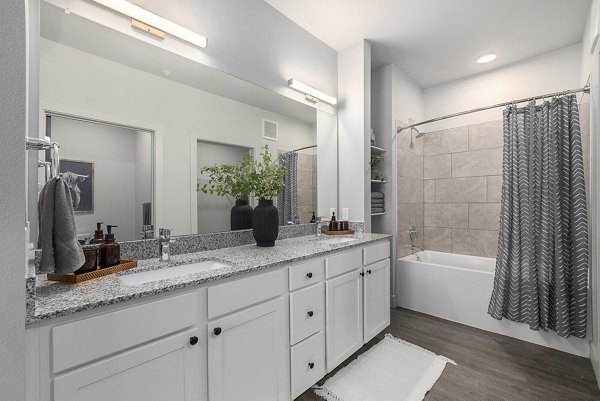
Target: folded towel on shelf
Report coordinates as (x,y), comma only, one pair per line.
(377,195)
(61,252)
(377,201)
(377,210)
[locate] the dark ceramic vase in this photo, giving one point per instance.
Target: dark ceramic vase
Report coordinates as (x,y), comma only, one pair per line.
(241,215)
(266,223)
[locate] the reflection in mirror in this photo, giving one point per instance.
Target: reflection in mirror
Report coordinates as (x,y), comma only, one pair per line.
(196,115)
(109,167)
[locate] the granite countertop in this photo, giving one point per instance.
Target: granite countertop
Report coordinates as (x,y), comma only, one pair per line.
(54,299)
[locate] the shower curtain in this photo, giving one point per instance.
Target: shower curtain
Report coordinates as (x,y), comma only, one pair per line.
(287,202)
(542,264)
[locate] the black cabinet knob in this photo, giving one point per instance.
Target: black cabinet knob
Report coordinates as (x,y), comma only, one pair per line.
(217,331)
(310,313)
(362,274)
(369,271)
(311,365)
(309,275)
(193,340)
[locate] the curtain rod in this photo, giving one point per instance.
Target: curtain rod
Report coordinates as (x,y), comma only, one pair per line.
(585,89)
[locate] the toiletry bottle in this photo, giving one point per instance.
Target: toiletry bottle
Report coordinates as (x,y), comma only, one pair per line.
(333,223)
(98,235)
(111,253)
(313,219)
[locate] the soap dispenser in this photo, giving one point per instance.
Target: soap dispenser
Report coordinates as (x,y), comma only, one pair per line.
(333,224)
(313,219)
(98,235)
(110,254)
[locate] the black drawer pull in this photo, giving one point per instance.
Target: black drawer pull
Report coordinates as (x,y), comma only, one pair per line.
(309,275)
(369,271)
(217,331)
(193,340)
(310,313)
(311,365)
(362,274)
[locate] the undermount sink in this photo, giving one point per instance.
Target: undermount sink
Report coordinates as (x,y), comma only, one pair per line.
(337,240)
(170,272)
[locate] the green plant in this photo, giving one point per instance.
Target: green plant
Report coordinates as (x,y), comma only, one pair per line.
(267,178)
(375,160)
(227,179)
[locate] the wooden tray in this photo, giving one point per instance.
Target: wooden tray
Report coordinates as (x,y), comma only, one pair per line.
(78,278)
(339,232)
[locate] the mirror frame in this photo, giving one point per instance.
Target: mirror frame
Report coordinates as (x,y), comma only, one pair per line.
(125,122)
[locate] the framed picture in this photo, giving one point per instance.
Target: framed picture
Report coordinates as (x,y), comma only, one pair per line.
(79,175)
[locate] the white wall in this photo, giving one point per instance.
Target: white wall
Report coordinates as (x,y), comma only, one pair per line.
(550,72)
(246,38)
(590,68)
(354,122)
(13,106)
(180,111)
(327,162)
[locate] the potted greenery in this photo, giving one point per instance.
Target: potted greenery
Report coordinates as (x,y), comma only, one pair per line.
(266,182)
(235,181)
(376,174)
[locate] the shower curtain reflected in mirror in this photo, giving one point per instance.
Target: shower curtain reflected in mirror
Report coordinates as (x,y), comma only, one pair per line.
(287,202)
(542,264)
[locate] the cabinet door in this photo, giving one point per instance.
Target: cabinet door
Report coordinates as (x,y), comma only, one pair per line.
(344,331)
(167,369)
(376,298)
(248,354)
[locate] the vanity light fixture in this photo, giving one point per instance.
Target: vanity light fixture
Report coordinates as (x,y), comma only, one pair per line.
(153,24)
(486,58)
(311,94)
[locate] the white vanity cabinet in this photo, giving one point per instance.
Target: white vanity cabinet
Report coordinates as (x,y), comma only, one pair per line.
(357,299)
(264,336)
(248,350)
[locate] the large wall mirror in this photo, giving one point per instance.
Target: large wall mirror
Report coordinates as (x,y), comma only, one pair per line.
(136,123)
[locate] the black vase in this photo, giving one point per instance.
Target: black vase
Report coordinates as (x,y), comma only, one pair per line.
(266,223)
(241,215)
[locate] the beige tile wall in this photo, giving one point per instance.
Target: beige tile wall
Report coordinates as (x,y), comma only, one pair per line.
(462,187)
(410,190)
(463,168)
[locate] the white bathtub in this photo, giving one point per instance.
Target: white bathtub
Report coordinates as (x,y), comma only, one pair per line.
(458,288)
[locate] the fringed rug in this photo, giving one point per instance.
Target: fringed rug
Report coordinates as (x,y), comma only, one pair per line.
(392,370)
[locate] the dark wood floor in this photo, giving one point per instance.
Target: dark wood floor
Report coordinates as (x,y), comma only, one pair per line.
(490,366)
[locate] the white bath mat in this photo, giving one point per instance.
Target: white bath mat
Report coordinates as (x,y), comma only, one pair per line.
(392,370)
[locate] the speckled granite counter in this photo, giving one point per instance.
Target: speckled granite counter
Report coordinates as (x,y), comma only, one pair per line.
(54,299)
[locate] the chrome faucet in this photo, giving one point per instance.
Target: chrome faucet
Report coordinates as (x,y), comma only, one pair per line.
(165,244)
(318,226)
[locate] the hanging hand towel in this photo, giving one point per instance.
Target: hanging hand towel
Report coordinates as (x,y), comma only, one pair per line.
(61,252)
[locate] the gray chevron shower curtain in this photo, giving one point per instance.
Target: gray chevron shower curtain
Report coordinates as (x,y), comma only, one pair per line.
(542,265)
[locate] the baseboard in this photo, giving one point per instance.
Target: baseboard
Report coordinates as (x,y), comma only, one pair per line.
(594,356)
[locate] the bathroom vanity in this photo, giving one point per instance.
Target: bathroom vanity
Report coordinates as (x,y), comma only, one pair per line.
(252,324)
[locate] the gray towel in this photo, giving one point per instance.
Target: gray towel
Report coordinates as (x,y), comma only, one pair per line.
(61,252)
(377,201)
(377,210)
(147,213)
(377,195)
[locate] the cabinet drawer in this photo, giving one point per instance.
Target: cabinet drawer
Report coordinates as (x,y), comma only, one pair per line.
(307,312)
(375,253)
(307,273)
(343,263)
(96,337)
(310,352)
(241,293)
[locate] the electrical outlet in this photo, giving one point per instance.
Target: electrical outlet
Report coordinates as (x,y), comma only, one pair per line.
(345,213)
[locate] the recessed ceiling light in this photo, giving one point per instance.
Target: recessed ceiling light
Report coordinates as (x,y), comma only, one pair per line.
(486,58)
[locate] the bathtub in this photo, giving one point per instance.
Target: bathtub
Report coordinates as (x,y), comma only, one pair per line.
(458,288)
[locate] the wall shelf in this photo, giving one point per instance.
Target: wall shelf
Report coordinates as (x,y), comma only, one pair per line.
(378,182)
(375,149)
(378,214)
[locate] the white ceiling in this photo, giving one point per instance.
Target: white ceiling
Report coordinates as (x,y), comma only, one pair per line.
(436,41)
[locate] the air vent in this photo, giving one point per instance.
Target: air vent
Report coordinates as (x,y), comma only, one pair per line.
(270,130)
